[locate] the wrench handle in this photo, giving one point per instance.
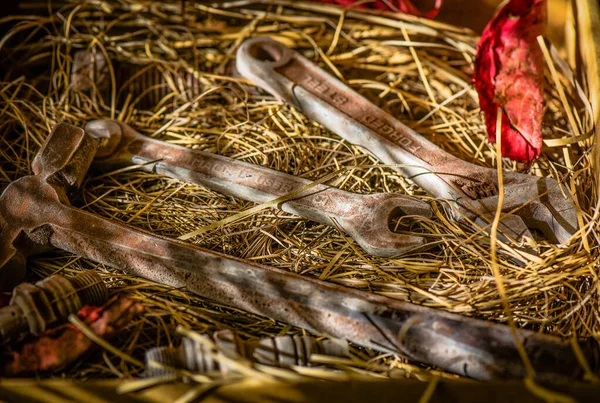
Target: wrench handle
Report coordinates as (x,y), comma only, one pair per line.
(232,177)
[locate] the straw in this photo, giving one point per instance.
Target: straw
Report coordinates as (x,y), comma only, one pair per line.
(188,93)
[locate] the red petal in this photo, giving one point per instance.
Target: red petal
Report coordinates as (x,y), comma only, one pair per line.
(509,74)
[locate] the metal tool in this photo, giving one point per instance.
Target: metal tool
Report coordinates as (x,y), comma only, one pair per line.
(281,351)
(364,217)
(470,190)
(35,307)
(35,215)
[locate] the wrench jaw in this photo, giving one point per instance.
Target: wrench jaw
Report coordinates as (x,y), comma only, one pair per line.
(529,202)
(557,219)
(543,204)
(23,231)
(370,226)
(257,57)
(540,203)
(474,213)
(12,261)
(59,166)
(511,228)
(65,157)
(464,206)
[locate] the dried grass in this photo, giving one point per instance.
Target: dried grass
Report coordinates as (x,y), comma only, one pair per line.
(418,70)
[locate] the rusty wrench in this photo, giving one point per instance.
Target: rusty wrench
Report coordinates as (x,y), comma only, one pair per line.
(35,215)
(471,190)
(364,217)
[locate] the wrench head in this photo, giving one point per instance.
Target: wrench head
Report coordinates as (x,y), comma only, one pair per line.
(370,225)
(511,228)
(65,157)
(544,205)
(539,203)
(27,203)
(257,57)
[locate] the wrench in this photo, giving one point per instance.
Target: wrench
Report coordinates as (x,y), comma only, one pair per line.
(35,215)
(470,190)
(364,217)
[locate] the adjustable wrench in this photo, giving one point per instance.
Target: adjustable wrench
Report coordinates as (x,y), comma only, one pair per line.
(470,190)
(364,217)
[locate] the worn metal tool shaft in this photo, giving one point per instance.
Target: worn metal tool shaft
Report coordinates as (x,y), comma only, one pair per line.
(35,214)
(364,217)
(470,190)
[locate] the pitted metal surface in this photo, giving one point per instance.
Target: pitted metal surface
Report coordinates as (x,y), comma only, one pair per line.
(470,190)
(364,217)
(35,214)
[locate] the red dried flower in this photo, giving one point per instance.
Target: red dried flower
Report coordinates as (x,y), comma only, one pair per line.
(509,74)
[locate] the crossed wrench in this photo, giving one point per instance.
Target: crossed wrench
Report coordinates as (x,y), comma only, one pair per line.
(35,215)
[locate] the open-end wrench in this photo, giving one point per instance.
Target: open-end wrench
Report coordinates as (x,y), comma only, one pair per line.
(35,215)
(471,190)
(364,217)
